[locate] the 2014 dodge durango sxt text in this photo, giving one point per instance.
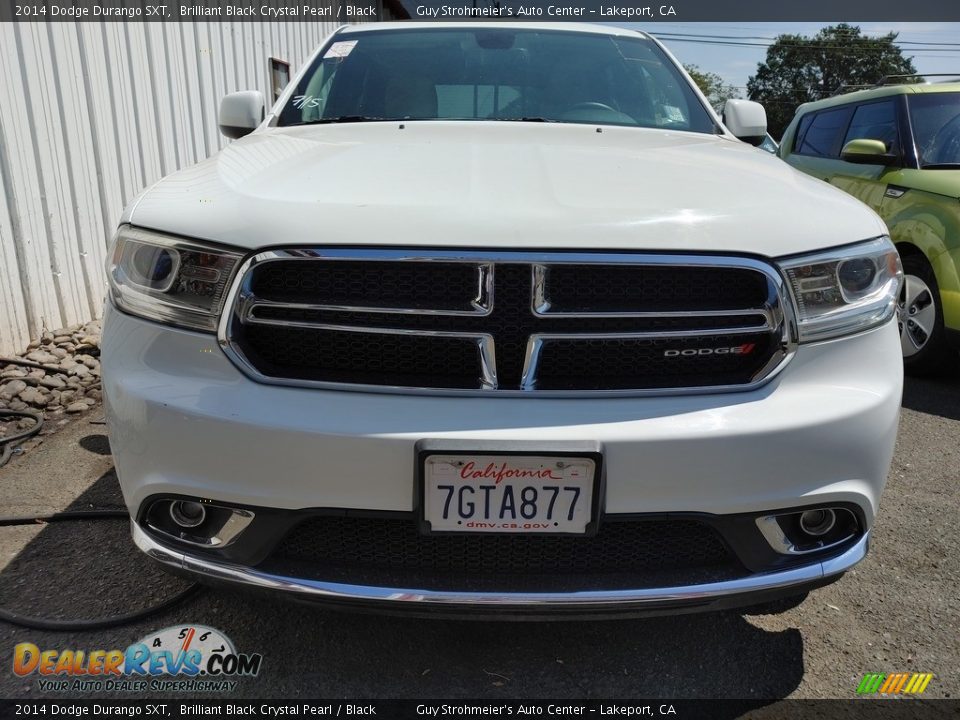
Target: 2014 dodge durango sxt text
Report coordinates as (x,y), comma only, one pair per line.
(501,317)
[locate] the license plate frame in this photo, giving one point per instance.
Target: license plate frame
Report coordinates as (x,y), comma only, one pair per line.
(591,451)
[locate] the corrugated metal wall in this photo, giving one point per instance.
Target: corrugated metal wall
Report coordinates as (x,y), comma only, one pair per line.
(90,114)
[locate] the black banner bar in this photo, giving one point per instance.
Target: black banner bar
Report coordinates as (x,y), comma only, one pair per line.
(343,11)
(883,709)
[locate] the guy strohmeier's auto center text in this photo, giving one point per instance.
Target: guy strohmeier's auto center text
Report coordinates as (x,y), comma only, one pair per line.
(522,12)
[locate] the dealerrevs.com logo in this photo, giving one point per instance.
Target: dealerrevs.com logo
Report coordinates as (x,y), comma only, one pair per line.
(192,658)
(744,349)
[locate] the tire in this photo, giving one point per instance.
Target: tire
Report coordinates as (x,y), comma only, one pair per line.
(923,339)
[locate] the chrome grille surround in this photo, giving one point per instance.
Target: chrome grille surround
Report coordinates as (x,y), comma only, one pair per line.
(777,314)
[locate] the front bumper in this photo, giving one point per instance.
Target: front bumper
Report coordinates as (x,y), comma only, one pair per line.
(662,600)
(185,422)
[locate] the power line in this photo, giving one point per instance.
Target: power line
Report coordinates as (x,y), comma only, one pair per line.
(858,38)
(844,48)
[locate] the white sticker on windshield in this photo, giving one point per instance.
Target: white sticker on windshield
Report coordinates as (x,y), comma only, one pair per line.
(673,113)
(340,49)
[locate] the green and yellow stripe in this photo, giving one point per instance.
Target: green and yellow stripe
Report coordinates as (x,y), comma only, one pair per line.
(894,683)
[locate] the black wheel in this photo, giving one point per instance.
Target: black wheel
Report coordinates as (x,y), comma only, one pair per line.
(922,337)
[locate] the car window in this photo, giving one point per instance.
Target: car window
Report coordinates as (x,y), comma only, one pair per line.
(496,74)
(802,130)
(875,121)
(936,128)
(823,135)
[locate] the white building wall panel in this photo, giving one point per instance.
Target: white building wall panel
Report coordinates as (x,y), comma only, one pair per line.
(92,113)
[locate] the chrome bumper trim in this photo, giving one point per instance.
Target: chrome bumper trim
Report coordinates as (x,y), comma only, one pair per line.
(412,597)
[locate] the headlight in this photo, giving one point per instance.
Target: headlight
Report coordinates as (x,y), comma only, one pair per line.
(167,279)
(845,290)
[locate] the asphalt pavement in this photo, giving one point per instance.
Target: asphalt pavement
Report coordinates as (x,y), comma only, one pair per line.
(898,611)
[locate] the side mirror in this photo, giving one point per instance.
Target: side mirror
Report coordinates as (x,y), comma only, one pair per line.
(746,120)
(241,113)
(867,152)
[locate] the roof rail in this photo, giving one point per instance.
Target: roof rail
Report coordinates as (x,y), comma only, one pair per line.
(913,77)
(841,89)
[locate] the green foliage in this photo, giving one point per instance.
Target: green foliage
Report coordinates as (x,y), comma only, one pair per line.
(801,69)
(713,86)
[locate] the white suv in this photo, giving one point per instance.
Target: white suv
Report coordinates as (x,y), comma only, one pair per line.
(501,317)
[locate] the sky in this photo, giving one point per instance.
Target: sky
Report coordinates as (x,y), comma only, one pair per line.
(736,64)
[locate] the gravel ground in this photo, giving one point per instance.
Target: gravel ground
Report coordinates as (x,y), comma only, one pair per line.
(897,611)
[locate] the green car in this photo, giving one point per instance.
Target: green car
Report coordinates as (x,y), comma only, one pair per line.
(896,147)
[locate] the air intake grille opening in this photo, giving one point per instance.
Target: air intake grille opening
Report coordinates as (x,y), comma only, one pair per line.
(627,553)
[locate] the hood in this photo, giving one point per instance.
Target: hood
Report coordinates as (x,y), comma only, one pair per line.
(502,185)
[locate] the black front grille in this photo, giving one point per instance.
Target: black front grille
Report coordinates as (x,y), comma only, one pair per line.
(609,288)
(617,363)
(364,358)
(290,324)
(620,546)
(445,286)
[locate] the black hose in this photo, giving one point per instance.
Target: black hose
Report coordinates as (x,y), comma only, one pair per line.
(6,441)
(36,623)
(31,364)
(61,516)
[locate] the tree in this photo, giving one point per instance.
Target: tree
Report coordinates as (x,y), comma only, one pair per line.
(713,86)
(801,69)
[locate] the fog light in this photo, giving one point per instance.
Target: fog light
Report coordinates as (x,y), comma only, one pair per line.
(817,522)
(187,514)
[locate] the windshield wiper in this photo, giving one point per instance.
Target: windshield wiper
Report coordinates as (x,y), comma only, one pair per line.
(941,166)
(526,119)
(342,119)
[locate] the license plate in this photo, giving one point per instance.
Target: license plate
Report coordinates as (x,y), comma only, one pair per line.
(526,494)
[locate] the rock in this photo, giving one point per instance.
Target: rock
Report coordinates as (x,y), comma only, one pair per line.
(78,370)
(41,356)
(12,388)
(74,389)
(34,396)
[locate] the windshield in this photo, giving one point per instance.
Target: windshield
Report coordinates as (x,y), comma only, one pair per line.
(495,74)
(936,128)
